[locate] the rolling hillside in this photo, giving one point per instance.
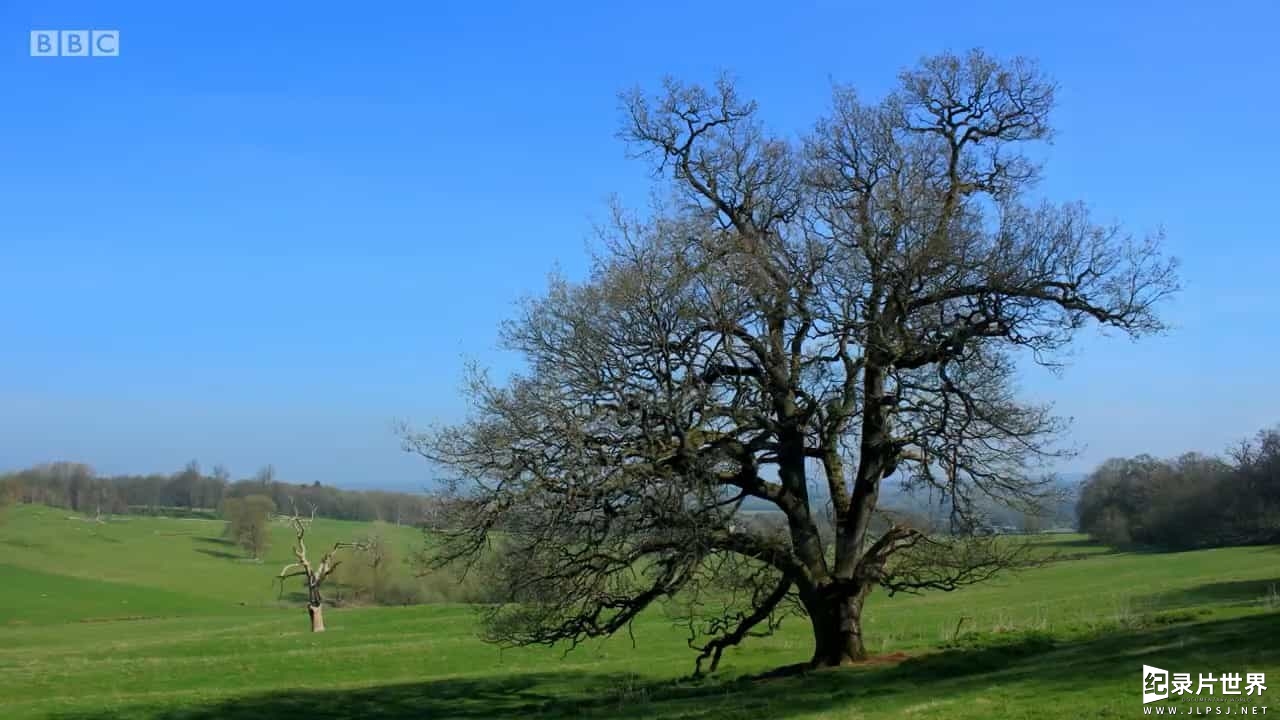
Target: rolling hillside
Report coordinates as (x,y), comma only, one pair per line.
(155,618)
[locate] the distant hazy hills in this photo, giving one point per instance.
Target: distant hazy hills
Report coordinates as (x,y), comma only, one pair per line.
(1059,513)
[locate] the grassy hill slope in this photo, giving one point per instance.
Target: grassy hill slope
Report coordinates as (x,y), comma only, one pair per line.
(152,618)
(188,558)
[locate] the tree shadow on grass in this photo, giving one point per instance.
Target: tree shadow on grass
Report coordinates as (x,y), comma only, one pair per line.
(221,554)
(1231,592)
(618,696)
(219,542)
(1029,665)
(1074,544)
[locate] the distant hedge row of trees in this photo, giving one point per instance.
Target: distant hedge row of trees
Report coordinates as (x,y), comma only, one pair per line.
(1192,501)
(191,491)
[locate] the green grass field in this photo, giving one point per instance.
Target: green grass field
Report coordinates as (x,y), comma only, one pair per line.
(156,618)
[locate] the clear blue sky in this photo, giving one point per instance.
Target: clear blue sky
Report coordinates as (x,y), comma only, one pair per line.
(269,229)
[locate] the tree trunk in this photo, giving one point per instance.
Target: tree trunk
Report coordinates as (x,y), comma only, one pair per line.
(837,629)
(317,617)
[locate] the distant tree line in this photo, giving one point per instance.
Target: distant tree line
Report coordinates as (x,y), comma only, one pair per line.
(191,491)
(1192,501)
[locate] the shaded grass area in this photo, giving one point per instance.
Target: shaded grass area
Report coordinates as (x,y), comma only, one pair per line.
(1024,675)
(1230,592)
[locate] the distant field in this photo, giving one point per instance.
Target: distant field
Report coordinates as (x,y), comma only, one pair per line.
(187,557)
(155,618)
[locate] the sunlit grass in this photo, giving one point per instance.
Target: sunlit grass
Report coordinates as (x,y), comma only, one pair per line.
(131,619)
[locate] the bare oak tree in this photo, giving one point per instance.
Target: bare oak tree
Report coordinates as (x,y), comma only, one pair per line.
(795,322)
(249,523)
(313,576)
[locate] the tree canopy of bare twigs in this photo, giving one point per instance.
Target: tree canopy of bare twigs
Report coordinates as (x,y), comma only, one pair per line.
(249,522)
(794,322)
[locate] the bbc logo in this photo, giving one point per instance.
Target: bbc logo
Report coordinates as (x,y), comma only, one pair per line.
(75,43)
